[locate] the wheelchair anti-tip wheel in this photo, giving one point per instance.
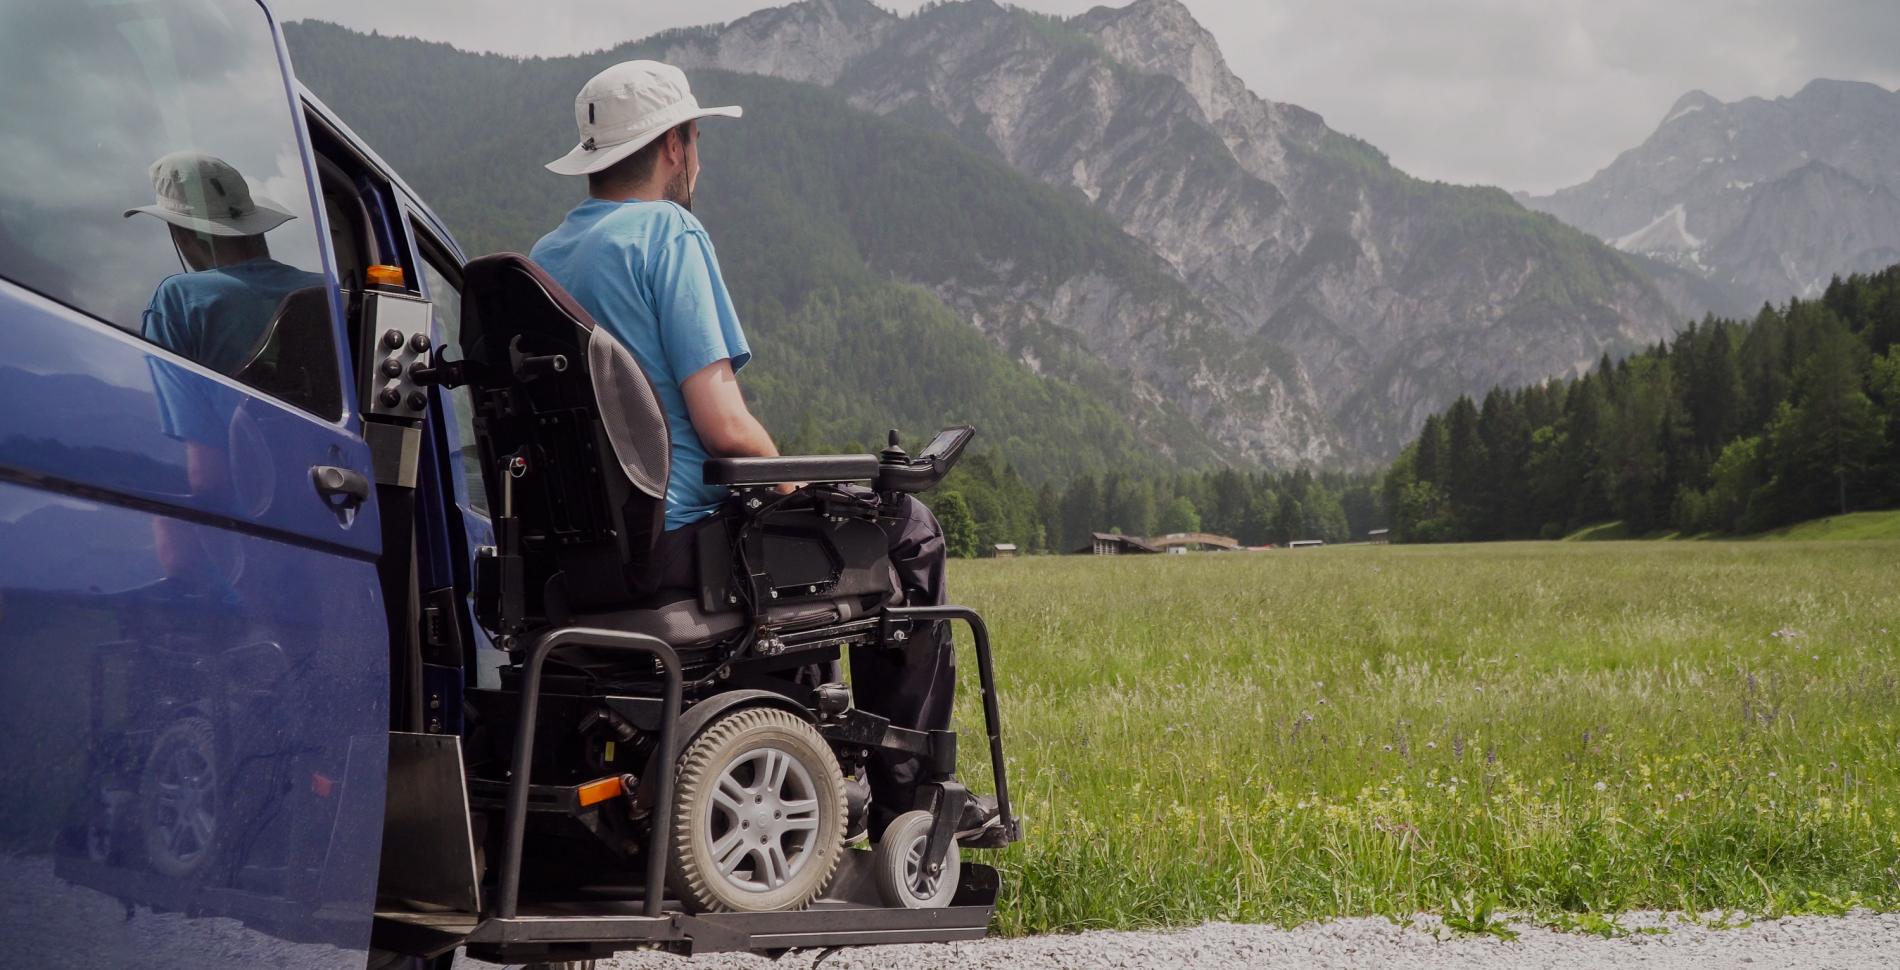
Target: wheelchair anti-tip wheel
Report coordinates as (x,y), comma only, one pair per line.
(898,861)
(758,815)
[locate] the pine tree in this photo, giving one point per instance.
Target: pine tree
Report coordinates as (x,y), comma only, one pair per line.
(1715,393)
(1081,512)
(1286,520)
(1429,465)
(1506,436)
(1232,498)
(1466,467)
(1049,514)
(1837,428)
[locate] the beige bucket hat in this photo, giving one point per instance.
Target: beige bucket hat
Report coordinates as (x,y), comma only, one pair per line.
(623,108)
(205,194)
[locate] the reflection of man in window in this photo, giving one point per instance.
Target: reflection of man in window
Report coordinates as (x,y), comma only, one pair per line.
(217,311)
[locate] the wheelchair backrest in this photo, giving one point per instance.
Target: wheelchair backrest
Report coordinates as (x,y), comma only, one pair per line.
(552,388)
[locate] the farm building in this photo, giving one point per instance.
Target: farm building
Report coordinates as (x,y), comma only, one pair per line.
(1379,536)
(1003,550)
(1111,544)
(1194,542)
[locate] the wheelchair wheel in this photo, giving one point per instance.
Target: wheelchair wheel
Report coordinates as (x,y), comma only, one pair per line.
(758,815)
(179,796)
(898,862)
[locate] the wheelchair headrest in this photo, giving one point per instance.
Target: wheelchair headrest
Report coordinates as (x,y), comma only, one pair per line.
(511,308)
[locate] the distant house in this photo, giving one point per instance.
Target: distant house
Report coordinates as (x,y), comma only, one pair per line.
(1306,544)
(1003,550)
(1194,542)
(1379,536)
(1110,544)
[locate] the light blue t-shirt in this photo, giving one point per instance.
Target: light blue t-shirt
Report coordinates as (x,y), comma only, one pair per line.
(215,317)
(646,271)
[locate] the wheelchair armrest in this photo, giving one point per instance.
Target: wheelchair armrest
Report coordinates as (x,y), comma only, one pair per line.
(790,468)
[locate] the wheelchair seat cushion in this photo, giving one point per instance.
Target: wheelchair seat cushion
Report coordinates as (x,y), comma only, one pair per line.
(674,617)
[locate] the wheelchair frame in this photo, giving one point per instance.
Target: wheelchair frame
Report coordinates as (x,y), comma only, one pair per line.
(847,915)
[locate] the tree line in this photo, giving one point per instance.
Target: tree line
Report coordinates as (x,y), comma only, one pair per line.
(985,502)
(1731,427)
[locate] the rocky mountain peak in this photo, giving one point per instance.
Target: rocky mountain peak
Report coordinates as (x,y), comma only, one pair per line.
(1761,197)
(811,41)
(1831,90)
(1162,37)
(1689,104)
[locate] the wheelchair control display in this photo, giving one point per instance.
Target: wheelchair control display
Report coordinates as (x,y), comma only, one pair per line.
(897,473)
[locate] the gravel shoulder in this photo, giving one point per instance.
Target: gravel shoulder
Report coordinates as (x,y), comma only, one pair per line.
(1851,942)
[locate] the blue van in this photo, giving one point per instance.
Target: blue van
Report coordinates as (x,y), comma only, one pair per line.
(255,589)
(197,695)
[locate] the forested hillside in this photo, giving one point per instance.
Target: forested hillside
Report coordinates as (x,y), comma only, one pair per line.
(821,214)
(1732,427)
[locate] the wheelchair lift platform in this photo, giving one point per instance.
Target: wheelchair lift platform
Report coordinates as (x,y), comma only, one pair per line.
(596,926)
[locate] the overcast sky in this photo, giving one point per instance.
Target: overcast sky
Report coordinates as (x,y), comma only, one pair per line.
(1526,94)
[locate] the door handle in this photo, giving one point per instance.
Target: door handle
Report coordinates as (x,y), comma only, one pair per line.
(334,482)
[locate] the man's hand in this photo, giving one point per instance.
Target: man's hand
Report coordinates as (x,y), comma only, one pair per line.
(725,425)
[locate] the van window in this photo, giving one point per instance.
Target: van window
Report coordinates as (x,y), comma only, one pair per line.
(154,181)
(443,285)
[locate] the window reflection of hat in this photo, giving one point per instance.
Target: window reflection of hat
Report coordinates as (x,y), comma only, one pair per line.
(203,193)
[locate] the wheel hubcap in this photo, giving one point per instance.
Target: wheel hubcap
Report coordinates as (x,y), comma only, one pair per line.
(186,819)
(764,820)
(917,876)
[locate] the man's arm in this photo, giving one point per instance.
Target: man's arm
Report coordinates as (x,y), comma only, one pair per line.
(725,425)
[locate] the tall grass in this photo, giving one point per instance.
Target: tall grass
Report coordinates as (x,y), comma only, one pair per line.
(1382,730)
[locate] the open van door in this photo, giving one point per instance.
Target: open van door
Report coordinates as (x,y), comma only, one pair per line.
(196,697)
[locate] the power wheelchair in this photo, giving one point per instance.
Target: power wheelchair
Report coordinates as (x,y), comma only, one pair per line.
(693,750)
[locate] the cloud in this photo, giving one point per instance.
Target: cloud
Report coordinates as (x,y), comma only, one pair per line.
(1527,94)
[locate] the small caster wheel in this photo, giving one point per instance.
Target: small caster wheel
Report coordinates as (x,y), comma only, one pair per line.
(898,862)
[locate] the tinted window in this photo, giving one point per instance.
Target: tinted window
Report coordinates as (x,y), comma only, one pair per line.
(153,180)
(442,286)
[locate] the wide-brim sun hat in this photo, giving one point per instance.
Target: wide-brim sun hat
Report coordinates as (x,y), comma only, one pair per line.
(623,108)
(203,193)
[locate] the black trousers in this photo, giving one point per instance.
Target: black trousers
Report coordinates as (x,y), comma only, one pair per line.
(914,687)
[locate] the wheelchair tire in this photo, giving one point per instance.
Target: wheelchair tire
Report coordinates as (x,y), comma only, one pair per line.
(897,863)
(180,799)
(758,815)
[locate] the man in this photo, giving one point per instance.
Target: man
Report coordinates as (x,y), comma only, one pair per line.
(635,257)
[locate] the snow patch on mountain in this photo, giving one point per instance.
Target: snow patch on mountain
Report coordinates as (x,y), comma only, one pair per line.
(1667,233)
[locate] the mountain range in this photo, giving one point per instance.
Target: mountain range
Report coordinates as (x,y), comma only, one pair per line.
(1139,261)
(1755,200)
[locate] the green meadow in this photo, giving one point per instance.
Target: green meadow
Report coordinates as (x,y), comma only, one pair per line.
(1549,728)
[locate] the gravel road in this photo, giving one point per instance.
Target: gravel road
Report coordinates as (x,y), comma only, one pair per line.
(1852,942)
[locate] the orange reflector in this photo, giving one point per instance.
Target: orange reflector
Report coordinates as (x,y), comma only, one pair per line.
(384,275)
(595,792)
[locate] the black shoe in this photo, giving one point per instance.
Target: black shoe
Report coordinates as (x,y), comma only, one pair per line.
(980,826)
